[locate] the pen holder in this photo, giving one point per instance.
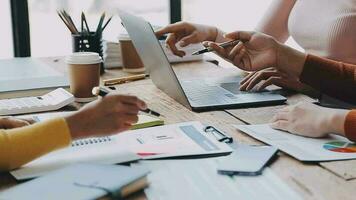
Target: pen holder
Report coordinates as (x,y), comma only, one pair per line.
(84,42)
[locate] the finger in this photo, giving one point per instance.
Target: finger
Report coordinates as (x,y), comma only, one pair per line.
(130,119)
(240,35)
(10,122)
(125,99)
(236,50)
(218,50)
(172,28)
(247,81)
(171,42)
(263,75)
(129,109)
(29,120)
(247,78)
(239,60)
(280,125)
(187,40)
(205,43)
(274,80)
(281,116)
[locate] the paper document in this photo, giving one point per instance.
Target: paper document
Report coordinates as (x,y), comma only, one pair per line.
(176,140)
(331,148)
(198,179)
(188,53)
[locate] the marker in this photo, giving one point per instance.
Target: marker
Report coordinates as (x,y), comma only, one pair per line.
(100,91)
(223,45)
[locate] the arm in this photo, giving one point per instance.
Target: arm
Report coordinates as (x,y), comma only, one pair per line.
(110,115)
(21,145)
(275,21)
(333,78)
(350,125)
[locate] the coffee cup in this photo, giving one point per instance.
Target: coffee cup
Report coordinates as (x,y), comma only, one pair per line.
(131,60)
(84,74)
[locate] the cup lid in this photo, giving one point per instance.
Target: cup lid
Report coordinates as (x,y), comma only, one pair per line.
(83,58)
(124,37)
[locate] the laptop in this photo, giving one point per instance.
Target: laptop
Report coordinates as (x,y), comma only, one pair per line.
(198,95)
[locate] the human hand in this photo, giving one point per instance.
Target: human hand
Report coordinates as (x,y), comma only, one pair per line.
(255,51)
(258,51)
(186,33)
(12,122)
(310,120)
(109,115)
(270,76)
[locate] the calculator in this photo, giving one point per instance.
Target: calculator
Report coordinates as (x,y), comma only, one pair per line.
(51,101)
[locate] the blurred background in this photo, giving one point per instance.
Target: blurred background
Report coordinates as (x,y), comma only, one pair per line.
(47,33)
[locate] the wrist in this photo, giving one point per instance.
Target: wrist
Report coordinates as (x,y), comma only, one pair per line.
(335,121)
(219,36)
(74,126)
(289,60)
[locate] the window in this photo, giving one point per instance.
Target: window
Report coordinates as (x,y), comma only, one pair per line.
(6,50)
(228,15)
(50,37)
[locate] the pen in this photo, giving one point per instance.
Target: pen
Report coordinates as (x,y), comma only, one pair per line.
(115,81)
(100,91)
(223,45)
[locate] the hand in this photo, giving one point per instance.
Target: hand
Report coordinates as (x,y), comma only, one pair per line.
(258,51)
(186,33)
(310,120)
(109,115)
(270,76)
(12,122)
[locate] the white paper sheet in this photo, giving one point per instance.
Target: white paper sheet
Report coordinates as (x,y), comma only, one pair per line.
(198,179)
(330,148)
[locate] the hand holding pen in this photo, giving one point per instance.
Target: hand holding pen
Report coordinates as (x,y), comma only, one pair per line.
(100,91)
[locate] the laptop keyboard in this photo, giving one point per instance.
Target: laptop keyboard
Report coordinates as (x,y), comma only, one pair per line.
(206,94)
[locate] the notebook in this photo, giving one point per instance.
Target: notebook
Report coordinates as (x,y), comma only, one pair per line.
(144,120)
(82,181)
(101,150)
(22,77)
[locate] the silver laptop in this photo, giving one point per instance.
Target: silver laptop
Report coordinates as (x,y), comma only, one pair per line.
(199,95)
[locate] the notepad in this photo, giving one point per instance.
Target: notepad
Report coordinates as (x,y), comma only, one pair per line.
(82,181)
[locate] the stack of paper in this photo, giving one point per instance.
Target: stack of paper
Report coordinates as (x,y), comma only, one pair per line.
(112,54)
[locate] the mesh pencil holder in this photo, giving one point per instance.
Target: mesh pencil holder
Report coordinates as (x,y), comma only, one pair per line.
(85,42)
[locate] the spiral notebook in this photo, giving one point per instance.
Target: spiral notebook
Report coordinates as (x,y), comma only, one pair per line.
(101,150)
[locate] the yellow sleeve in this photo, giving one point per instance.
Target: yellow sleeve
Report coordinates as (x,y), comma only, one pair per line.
(22,145)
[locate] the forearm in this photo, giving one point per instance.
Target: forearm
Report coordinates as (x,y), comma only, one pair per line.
(342,122)
(275,21)
(21,145)
(330,77)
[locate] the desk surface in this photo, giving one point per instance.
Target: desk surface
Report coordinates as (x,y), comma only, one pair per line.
(333,180)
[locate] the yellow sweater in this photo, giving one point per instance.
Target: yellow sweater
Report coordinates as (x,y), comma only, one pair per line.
(22,145)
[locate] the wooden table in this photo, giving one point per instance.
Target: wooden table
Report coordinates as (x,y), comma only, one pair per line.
(333,180)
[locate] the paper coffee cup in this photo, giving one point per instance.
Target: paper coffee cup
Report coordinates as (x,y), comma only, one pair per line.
(84,74)
(132,62)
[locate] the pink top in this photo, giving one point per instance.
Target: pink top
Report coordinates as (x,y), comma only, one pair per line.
(325,28)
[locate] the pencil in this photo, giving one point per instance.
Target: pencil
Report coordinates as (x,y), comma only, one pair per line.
(99,28)
(85,21)
(115,81)
(65,22)
(223,45)
(106,23)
